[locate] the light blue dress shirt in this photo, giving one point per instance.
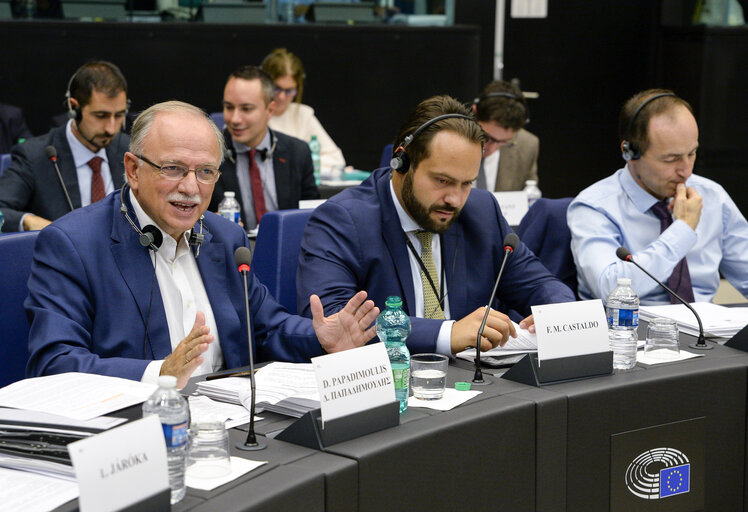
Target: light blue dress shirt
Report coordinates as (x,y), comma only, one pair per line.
(267,176)
(616,212)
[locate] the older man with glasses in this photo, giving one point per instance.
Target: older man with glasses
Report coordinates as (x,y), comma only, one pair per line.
(105,298)
(510,155)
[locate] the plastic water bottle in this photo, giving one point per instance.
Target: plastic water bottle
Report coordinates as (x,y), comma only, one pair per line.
(533,192)
(393,328)
(174,413)
(623,321)
(315,148)
(228,208)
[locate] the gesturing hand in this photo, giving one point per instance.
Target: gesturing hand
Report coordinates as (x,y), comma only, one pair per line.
(350,327)
(188,354)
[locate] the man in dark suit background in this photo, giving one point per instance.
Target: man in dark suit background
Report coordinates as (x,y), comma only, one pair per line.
(510,157)
(385,234)
(266,170)
(13,127)
(90,151)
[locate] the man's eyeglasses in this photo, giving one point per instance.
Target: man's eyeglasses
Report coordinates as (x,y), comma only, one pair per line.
(206,175)
(288,92)
(506,143)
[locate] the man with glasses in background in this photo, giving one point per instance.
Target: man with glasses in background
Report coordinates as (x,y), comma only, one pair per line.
(510,157)
(267,170)
(106,299)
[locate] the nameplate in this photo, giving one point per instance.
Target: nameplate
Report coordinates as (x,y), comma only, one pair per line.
(353,381)
(121,467)
(570,329)
(513,205)
(310,204)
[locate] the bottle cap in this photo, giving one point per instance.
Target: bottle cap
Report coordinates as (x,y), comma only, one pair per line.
(393,302)
(229,193)
(462,386)
(624,281)
(167,381)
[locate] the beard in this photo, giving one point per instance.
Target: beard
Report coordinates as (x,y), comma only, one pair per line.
(422,213)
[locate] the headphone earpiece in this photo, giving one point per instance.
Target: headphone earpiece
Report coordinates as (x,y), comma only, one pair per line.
(630,151)
(400,161)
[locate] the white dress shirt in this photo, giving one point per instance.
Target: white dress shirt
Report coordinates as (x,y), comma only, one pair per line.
(491,169)
(444,339)
(183,294)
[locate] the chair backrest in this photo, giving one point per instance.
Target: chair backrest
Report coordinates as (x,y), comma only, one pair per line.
(217,118)
(386,156)
(276,255)
(16,252)
(5,160)
(545,232)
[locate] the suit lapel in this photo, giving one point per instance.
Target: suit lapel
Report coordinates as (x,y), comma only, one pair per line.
(394,239)
(507,161)
(133,262)
(282,172)
(114,154)
(67,166)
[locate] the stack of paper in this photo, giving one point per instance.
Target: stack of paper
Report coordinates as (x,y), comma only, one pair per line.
(510,353)
(285,388)
(719,321)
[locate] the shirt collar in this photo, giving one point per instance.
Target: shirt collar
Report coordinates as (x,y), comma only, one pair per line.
(406,222)
(243,148)
(81,154)
(169,247)
(642,199)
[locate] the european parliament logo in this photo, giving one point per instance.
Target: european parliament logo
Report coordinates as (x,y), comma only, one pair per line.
(659,473)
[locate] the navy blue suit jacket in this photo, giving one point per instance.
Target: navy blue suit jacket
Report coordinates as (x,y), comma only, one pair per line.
(31,184)
(90,286)
(354,241)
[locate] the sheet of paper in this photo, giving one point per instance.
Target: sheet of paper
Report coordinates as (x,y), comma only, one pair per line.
(513,205)
(203,409)
(30,492)
(239,466)
(451,399)
(524,342)
(42,418)
(718,320)
(80,396)
(642,357)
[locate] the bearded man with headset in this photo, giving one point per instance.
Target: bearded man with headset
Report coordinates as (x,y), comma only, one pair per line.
(73,165)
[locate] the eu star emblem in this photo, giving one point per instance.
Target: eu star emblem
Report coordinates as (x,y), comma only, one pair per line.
(675,480)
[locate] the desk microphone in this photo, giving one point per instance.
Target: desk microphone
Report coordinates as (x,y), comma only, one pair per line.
(510,243)
(625,255)
(242,257)
(52,155)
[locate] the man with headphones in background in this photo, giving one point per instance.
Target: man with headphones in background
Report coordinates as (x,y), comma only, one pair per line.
(510,155)
(420,231)
(267,170)
(73,165)
(145,282)
(683,228)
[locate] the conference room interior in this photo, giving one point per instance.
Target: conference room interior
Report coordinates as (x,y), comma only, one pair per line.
(583,60)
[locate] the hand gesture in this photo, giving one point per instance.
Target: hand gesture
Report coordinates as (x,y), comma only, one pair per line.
(188,354)
(350,327)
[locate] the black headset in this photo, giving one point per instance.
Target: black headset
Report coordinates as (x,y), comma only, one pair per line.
(519,99)
(75,112)
(264,153)
(630,151)
(400,161)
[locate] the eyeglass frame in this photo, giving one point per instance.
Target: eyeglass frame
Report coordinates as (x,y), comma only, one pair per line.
(292,92)
(500,143)
(186,170)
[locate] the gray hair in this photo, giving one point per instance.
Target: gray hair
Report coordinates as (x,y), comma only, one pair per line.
(144,122)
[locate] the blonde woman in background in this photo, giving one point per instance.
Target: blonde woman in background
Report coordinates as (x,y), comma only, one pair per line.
(290,116)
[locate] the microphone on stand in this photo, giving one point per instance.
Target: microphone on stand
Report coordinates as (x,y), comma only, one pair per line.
(243,257)
(52,155)
(510,243)
(625,255)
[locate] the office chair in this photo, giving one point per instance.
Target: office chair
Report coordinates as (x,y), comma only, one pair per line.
(276,255)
